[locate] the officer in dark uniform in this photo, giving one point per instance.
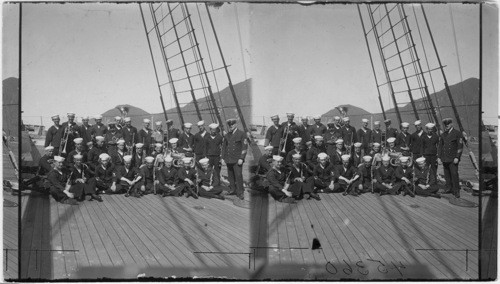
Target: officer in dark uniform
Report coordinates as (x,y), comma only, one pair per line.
(416,140)
(389,131)
(430,144)
(364,135)
(449,153)
(233,155)
(273,137)
(54,135)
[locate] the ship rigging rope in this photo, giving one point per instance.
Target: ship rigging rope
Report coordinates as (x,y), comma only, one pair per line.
(241,44)
(196,58)
(459,65)
(211,62)
(427,64)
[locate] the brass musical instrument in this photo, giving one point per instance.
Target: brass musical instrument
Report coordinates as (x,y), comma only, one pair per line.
(68,182)
(64,139)
(283,144)
(395,159)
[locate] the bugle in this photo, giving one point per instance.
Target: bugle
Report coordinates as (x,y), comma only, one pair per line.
(64,139)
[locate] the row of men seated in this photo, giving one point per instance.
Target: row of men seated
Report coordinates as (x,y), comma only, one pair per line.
(70,185)
(297,181)
(280,136)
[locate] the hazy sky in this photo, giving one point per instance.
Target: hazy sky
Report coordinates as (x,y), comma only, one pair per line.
(87,58)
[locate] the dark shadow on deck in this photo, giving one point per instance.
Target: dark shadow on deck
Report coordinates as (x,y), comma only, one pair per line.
(489,240)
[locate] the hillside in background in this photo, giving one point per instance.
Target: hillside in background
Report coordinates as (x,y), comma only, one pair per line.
(465,96)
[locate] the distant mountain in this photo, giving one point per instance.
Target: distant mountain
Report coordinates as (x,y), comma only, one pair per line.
(223,98)
(465,96)
(10,106)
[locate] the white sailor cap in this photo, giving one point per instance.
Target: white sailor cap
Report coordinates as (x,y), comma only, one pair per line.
(188,125)
(447,121)
(149,159)
(98,116)
(168,159)
(48,148)
(78,140)
(139,145)
(405,124)
(357,144)
(77,156)
(275,117)
(213,126)
(269,147)
(158,122)
(304,118)
(118,117)
(127,119)
(337,117)
(322,156)
(430,125)
(277,158)
(391,139)
(55,116)
(127,158)
(104,156)
(146,120)
(85,117)
(120,142)
(90,143)
(318,138)
(345,158)
(200,123)
(186,160)
(376,122)
(290,114)
(386,158)
(403,159)
(158,145)
(418,122)
(71,114)
(345,118)
(173,140)
(297,140)
(296,156)
(204,161)
(387,121)
(309,142)
(339,141)
(59,159)
(420,160)
(99,138)
(169,121)
(367,158)
(376,144)
(364,120)
(317,117)
(111,122)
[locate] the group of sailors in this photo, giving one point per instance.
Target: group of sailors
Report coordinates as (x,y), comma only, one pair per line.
(303,160)
(85,159)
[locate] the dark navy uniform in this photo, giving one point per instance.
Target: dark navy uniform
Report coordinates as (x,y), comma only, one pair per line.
(105,176)
(168,176)
(84,173)
(364,136)
(73,132)
(235,148)
(213,151)
(186,141)
(86,133)
(429,150)
(128,132)
(376,136)
(98,129)
(306,186)
(400,184)
(330,137)
(323,176)
(403,140)
(209,178)
(385,175)
(130,174)
(45,166)
(144,137)
(293,132)
(199,145)
(318,129)
(424,176)
(138,159)
(70,161)
(93,157)
(450,147)
(391,132)
(289,156)
(336,158)
(416,143)
(356,159)
(277,179)
(349,135)
(305,133)
(273,138)
(348,173)
(53,137)
(184,186)
(149,176)
(365,178)
(57,182)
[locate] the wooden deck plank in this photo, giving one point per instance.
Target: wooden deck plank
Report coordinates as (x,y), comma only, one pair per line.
(81,256)
(299,239)
(318,256)
(65,217)
(206,228)
(272,232)
(58,268)
(88,246)
(27,232)
(283,243)
(36,240)
(46,256)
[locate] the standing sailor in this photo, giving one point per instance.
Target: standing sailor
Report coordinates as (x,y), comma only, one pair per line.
(186,140)
(348,134)
(376,133)
(318,128)
(430,144)
(86,131)
(95,152)
(144,135)
(73,132)
(416,140)
(364,135)
(213,148)
(54,135)
(297,143)
(199,141)
(172,132)
(389,131)
(273,137)
(157,134)
(305,130)
(331,137)
(403,139)
(233,155)
(289,130)
(129,133)
(450,152)
(98,129)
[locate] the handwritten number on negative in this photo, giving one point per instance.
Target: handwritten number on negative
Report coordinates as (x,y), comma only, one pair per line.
(348,268)
(330,266)
(381,267)
(360,264)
